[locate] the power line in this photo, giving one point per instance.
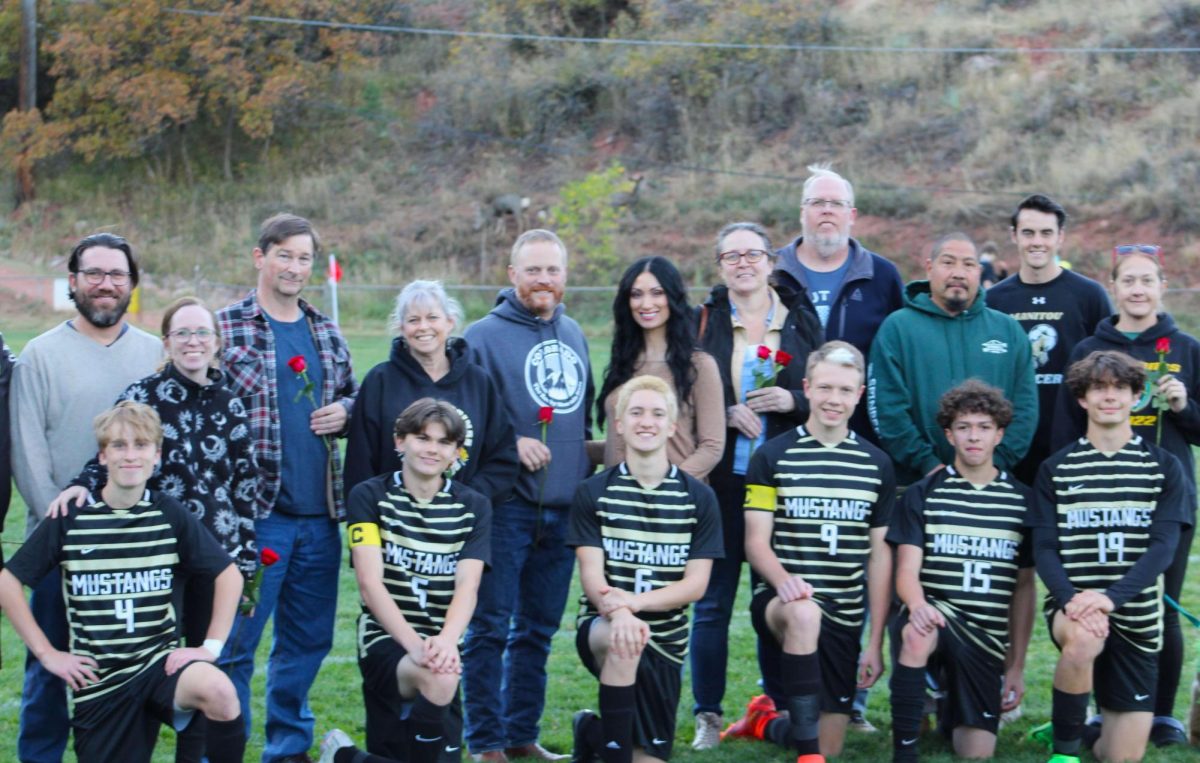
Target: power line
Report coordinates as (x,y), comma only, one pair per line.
(783,47)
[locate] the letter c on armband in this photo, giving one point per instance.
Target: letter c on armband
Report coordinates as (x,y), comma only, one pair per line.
(364,534)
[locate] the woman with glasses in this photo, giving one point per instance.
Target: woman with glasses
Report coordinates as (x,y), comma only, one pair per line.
(207,462)
(744,318)
(654,334)
(1143,329)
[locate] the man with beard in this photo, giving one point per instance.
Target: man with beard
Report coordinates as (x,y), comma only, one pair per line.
(944,335)
(852,288)
(63,379)
(538,358)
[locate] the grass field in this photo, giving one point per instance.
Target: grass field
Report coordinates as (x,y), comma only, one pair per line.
(336,699)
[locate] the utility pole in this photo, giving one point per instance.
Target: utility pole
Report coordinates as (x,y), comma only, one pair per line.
(27,93)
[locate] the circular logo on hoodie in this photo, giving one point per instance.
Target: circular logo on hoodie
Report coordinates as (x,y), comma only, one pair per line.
(555,376)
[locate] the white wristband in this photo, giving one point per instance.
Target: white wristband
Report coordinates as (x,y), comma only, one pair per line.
(214,646)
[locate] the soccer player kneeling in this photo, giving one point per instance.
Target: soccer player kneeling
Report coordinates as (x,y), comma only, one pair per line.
(1107,513)
(645,534)
(818,502)
(964,571)
(419,542)
(120,557)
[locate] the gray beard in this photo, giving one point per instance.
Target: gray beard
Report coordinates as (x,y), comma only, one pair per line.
(101,319)
(828,246)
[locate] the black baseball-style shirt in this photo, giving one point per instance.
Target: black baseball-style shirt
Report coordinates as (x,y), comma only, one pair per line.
(118,580)
(974,541)
(1110,522)
(422,544)
(826,499)
(648,536)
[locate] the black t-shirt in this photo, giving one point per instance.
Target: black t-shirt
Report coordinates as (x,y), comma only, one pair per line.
(1056,315)
(826,499)
(421,544)
(648,536)
(119,568)
(974,541)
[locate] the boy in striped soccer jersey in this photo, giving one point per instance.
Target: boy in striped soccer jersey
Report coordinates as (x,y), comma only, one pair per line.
(645,534)
(1107,513)
(964,572)
(419,542)
(818,502)
(120,557)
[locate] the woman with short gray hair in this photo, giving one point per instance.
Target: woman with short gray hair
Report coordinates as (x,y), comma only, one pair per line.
(427,361)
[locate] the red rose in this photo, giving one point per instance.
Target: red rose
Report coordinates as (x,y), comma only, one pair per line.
(1162,346)
(764,352)
(782,358)
(297,364)
(545,414)
(269,556)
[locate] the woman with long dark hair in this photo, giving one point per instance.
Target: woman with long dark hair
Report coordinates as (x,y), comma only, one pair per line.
(653,334)
(744,314)
(1140,329)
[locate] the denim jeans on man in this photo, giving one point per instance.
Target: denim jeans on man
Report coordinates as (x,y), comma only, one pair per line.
(521,602)
(301,591)
(45,724)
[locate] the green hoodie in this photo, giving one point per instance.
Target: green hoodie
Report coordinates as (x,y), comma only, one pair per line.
(920,352)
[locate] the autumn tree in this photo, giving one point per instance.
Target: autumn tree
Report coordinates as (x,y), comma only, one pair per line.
(132,78)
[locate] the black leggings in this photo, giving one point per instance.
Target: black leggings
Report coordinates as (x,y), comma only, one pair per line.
(1170,660)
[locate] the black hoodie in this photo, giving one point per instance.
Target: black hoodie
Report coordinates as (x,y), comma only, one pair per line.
(398,382)
(1179,430)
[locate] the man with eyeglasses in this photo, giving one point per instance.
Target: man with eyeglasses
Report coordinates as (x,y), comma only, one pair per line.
(852,288)
(52,407)
(1058,308)
(291,367)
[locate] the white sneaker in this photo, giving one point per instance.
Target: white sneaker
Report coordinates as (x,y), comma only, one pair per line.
(708,731)
(335,739)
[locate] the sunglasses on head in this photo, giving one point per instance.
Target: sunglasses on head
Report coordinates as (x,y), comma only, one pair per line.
(1150,250)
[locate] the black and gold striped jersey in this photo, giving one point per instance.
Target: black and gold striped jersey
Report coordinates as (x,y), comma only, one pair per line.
(648,536)
(974,540)
(421,544)
(1105,507)
(118,580)
(826,499)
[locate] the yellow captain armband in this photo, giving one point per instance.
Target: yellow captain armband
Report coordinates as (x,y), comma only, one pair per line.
(761,497)
(364,534)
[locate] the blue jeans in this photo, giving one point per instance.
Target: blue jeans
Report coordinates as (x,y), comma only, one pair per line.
(709,647)
(44,722)
(521,601)
(301,591)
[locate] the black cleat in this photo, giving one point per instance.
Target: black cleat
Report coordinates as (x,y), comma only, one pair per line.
(582,725)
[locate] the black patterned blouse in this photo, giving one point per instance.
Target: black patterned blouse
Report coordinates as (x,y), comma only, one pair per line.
(207,457)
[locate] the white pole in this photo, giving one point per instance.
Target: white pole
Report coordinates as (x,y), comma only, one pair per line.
(332,279)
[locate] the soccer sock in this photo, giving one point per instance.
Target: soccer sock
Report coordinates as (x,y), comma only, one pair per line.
(617,709)
(226,740)
(426,723)
(801,678)
(1068,712)
(908,705)
(189,743)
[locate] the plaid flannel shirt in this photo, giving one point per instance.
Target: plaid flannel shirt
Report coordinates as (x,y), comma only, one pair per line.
(249,355)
